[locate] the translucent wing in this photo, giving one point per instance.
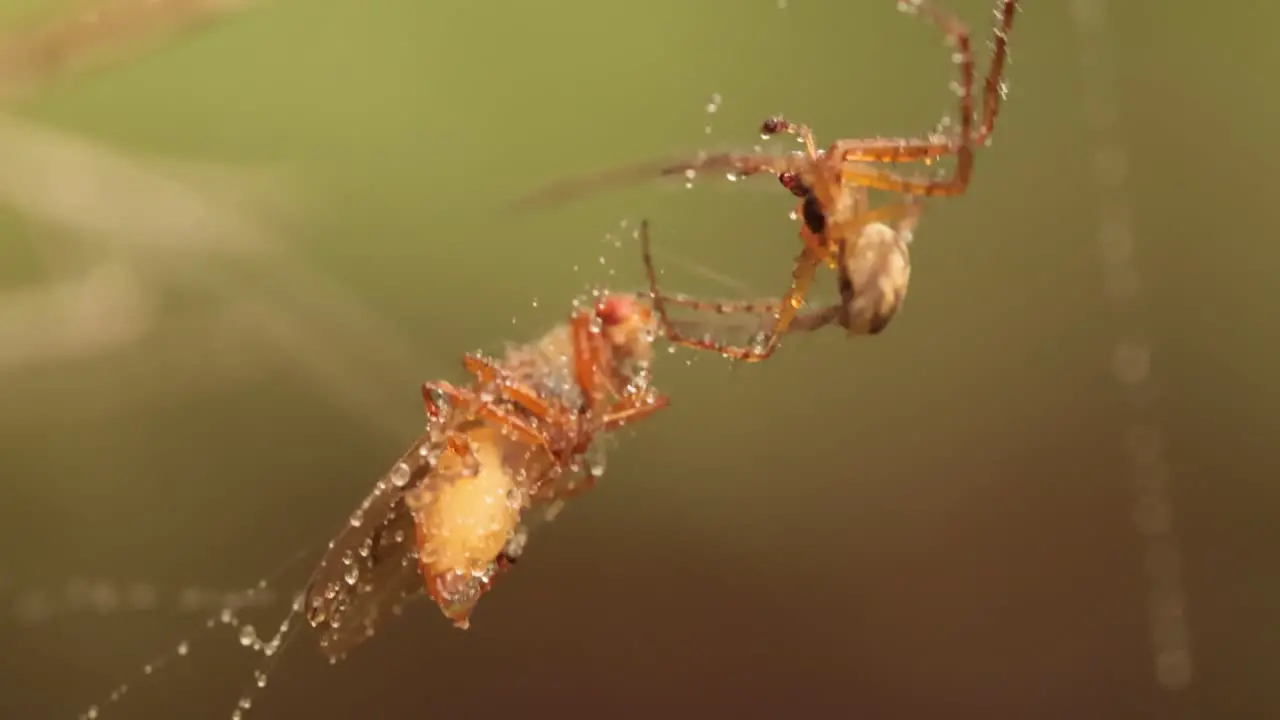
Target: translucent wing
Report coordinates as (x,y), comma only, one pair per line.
(370,569)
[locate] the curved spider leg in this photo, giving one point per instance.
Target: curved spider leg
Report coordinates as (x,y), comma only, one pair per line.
(892,150)
(885,214)
(738,164)
(779,124)
(766,309)
(838,241)
(767,340)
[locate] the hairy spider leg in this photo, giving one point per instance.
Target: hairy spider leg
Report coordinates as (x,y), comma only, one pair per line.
(894,150)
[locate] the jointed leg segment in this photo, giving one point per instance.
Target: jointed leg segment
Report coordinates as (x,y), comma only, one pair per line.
(854,155)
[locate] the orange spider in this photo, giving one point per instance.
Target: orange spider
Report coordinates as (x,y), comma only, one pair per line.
(872,281)
(452,511)
(835,209)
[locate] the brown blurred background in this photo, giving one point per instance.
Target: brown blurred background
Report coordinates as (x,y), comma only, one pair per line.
(206,363)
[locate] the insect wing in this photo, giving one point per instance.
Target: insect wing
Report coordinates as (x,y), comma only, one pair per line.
(370,569)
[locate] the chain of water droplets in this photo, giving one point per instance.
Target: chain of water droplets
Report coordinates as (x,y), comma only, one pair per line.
(226,616)
(34,605)
(1149,469)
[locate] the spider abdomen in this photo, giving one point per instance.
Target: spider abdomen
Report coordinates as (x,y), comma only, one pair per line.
(875,272)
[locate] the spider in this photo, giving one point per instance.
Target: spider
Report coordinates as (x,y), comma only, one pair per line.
(450,513)
(832,185)
(873,275)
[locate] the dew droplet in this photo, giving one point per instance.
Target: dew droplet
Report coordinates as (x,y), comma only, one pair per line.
(400,474)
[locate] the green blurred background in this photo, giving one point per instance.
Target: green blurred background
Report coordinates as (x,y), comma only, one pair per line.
(938,522)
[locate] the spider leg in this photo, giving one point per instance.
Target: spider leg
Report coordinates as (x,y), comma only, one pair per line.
(767,340)
(779,124)
(894,150)
(759,307)
(739,164)
(719,307)
(905,214)
(816,320)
